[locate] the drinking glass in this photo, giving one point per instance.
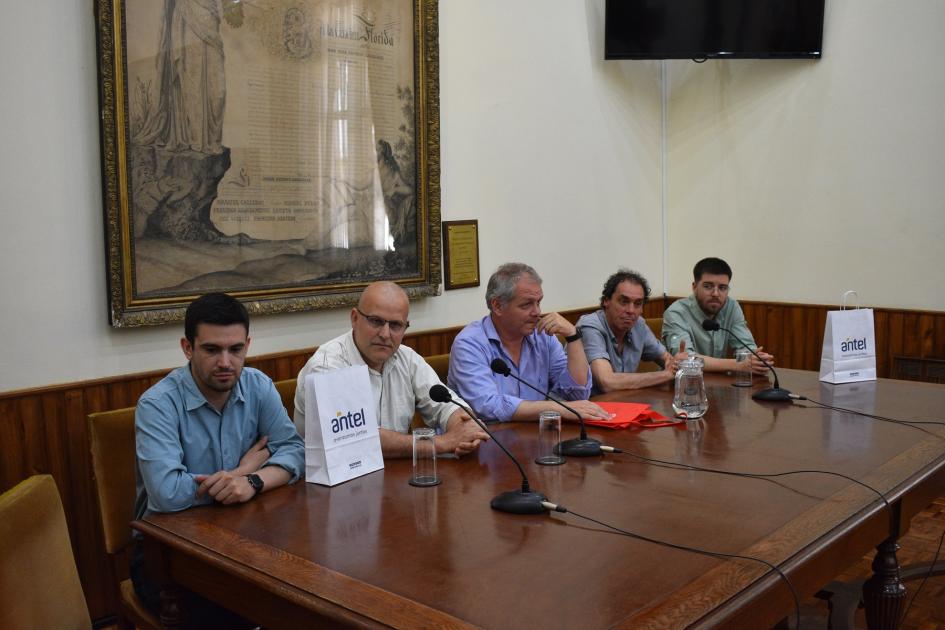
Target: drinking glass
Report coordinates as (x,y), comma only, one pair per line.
(424,458)
(549,436)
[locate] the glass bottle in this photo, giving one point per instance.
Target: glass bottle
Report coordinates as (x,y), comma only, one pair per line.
(690,400)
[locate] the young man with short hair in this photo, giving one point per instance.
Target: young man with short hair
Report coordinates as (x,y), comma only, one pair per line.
(211,431)
(682,321)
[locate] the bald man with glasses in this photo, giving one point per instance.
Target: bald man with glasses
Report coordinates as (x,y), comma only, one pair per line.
(400,378)
(682,321)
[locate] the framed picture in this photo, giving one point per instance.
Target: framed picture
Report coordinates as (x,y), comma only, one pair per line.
(283,151)
(461,253)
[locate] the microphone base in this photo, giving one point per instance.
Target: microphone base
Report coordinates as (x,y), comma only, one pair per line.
(577,447)
(518,502)
(772,394)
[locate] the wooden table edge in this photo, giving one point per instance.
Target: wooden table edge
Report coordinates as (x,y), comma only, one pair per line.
(724,610)
(339,597)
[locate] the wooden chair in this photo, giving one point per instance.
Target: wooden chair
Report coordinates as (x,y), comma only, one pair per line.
(39,582)
(926,369)
(286,391)
(440,364)
(656,325)
(112,439)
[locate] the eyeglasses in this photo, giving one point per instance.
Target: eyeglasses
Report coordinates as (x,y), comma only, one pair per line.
(396,326)
(708,287)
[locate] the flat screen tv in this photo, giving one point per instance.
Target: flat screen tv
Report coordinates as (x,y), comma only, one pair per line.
(703,29)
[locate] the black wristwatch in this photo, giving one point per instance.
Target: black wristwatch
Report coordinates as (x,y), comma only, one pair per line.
(577,335)
(256,482)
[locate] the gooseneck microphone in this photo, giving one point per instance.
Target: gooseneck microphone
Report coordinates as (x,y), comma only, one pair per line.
(524,501)
(769,393)
(575,447)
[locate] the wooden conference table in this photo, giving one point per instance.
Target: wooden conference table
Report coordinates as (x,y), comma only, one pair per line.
(378,552)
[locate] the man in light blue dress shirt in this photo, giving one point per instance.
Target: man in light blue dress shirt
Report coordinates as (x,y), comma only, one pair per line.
(211,431)
(517,332)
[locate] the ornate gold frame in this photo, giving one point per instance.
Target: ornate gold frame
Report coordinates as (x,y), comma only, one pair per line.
(128,310)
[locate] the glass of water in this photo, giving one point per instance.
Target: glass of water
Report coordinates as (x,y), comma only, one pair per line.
(424,458)
(742,368)
(549,436)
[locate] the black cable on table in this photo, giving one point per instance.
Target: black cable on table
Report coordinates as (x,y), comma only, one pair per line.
(908,423)
(696,550)
(759,475)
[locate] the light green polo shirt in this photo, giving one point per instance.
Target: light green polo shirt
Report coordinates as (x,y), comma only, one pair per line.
(683,321)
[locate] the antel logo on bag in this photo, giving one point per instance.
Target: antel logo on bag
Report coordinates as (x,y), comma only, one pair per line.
(347,421)
(853,344)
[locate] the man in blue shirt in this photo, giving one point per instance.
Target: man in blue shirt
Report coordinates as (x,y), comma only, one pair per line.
(211,431)
(616,337)
(517,332)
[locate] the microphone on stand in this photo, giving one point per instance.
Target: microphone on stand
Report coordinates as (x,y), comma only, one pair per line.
(524,501)
(769,393)
(575,447)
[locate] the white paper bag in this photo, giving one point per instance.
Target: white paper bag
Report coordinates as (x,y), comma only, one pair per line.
(341,437)
(849,350)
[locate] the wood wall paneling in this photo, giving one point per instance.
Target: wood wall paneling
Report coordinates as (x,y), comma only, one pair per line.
(43,430)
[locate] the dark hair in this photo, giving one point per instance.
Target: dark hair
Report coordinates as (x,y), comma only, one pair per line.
(624,275)
(715,266)
(214,308)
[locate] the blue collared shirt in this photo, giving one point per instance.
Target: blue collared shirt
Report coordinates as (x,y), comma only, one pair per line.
(543,363)
(179,435)
(600,343)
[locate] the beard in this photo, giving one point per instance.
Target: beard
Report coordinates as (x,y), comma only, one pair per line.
(711,308)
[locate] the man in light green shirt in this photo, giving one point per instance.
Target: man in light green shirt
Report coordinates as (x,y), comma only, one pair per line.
(682,321)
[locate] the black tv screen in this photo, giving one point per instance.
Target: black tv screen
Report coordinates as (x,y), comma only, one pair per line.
(699,29)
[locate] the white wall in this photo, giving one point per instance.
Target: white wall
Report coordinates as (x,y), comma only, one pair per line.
(810,177)
(555,152)
(813,177)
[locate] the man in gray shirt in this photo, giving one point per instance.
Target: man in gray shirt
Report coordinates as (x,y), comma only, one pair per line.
(616,337)
(682,321)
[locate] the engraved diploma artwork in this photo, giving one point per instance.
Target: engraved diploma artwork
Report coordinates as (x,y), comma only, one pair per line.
(284,151)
